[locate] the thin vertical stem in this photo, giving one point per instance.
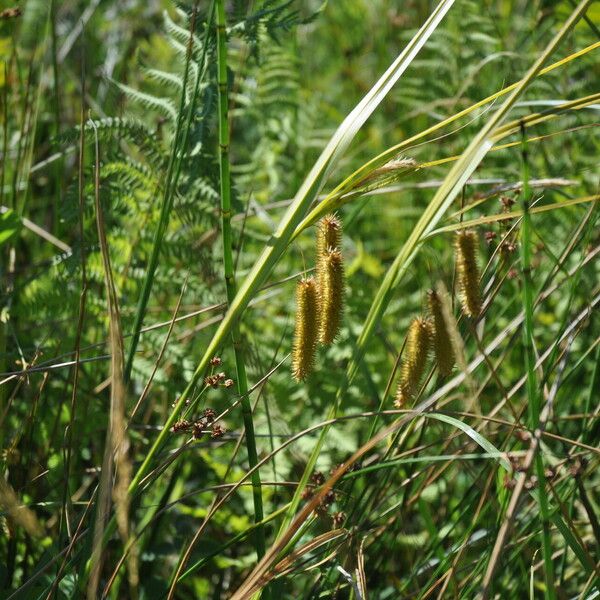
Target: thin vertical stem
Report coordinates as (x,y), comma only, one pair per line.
(82,305)
(242,380)
(58,166)
(533,398)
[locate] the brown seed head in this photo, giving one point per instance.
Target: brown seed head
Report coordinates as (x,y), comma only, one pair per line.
(331,295)
(212,380)
(217,431)
(306,329)
(468,272)
(209,414)
(181,426)
(507,203)
(490,236)
(198,429)
(317,478)
(338,519)
(442,345)
(418,342)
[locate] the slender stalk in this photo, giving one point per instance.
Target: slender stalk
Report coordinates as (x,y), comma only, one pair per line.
(81,310)
(58,167)
(242,380)
(533,399)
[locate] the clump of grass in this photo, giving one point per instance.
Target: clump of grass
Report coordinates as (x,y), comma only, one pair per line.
(442,344)
(468,272)
(177,162)
(418,344)
(306,329)
(331,295)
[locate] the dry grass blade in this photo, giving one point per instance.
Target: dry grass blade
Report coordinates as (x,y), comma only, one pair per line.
(514,214)
(117,441)
(361,575)
(260,574)
(287,563)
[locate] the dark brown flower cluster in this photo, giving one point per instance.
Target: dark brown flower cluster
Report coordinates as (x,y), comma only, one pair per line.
(215,380)
(316,481)
(198,427)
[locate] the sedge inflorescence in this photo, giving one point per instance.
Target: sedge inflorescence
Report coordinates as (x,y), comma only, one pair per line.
(331,295)
(319,300)
(468,272)
(306,328)
(418,344)
(442,344)
(330,278)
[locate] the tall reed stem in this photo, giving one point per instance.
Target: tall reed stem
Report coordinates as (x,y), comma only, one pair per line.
(242,380)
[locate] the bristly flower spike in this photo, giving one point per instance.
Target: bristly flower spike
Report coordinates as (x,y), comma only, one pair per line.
(306,329)
(442,344)
(468,272)
(329,235)
(331,295)
(418,343)
(330,277)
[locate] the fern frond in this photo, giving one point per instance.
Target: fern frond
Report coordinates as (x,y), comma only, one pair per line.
(164,106)
(165,78)
(182,35)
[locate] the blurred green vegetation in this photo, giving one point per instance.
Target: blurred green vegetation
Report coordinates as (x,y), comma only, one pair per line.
(296,69)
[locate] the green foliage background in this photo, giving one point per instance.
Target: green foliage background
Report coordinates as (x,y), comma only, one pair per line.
(296,69)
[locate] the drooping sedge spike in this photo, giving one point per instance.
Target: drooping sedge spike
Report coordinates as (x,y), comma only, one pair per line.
(330,277)
(418,343)
(442,344)
(306,328)
(331,295)
(466,246)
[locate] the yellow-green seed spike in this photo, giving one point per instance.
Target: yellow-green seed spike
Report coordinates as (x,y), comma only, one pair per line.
(442,344)
(305,337)
(468,272)
(329,234)
(418,342)
(331,295)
